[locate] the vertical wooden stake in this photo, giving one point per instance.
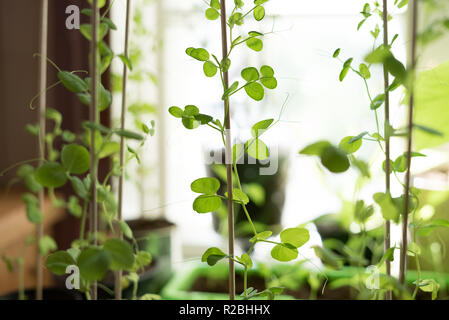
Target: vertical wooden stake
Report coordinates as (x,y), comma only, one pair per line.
(387,143)
(42,122)
(118,274)
(94,117)
(228,155)
(412,68)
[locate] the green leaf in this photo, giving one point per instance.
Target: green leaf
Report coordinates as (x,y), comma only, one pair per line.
(203,118)
(72,82)
(75,159)
(343,73)
(126,61)
(428,130)
(128,134)
(108,149)
(74,207)
(210,69)
(295,236)
(336,53)
(246,260)
(378,101)
(334,159)
(142,259)
(315,149)
(206,203)
(250,74)
(257,149)
(213,255)
(260,127)
(350,147)
(387,206)
(46,245)
(328,257)
(261,236)
(79,187)
(255,91)
(58,262)
(191,110)
(121,254)
(33,211)
(93,263)
(100,3)
(205,185)
(429,285)
(176,112)
(51,175)
(230,90)
(239,196)
(267,71)
(284,252)
(212,14)
(259,13)
(364,71)
(215,4)
(269,83)
(125,229)
(254,44)
(199,54)
(86,31)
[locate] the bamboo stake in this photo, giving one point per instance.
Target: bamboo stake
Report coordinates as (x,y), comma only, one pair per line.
(118,275)
(228,155)
(414,23)
(42,127)
(387,144)
(94,117)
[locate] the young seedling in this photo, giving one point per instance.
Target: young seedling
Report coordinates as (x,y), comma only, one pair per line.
(256,80)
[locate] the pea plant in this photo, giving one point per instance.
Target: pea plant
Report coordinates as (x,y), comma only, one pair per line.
(255,82)
(94,253)
(338,159)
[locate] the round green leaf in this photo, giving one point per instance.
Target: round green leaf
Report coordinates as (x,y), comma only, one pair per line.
(205,185)
(210,69)
(267,71)
(190,122)
(364,71)
(261,236)
(199,54)
(51,175)
(254,44)
(212,14)
(58,262)
(93,264)
(250,74)
(75,158)
(121,254)
(176,112)
(255,91)
(269,83)
(259,13)
(295,236)
(257,149)
(334,159)
(315,149)
(212,256)
(284,252)
(191,110)
(348,147)
(215,4)
(206,203)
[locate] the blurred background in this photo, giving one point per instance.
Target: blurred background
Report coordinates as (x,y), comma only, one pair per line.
(310,102)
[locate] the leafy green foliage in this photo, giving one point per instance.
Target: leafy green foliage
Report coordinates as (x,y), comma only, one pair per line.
(213,255)
(51,175)
(75,159)
(58,262)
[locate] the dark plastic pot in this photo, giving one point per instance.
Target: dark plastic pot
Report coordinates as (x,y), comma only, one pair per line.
(48,294)
(269,211)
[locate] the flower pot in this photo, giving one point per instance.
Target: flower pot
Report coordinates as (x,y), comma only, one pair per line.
(201,282)
(265,207)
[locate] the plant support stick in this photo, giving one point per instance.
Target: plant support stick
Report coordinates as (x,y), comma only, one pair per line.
(228,154)
(94,118)
(118,274)
(42,111)
(387,143)
(414,22)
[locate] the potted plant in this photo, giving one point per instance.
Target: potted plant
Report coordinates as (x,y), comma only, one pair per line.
(255,82)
